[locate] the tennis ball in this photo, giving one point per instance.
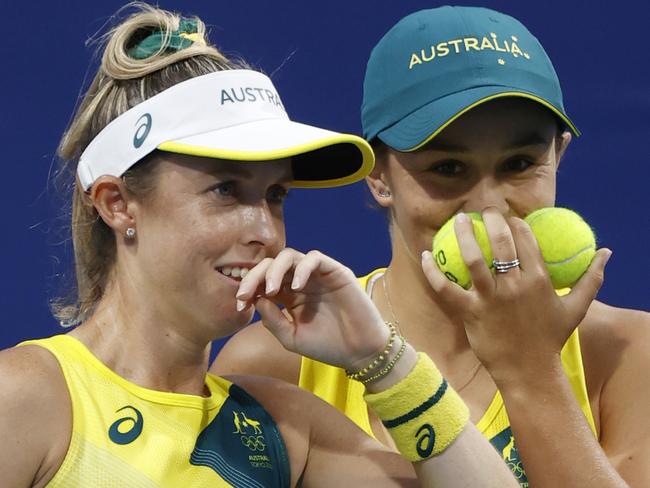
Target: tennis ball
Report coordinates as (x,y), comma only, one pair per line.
(447,253)
(566,241)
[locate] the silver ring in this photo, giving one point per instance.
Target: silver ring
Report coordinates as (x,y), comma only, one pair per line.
(504,266)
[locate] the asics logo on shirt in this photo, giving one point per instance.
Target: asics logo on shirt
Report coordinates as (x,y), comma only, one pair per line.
(126,429)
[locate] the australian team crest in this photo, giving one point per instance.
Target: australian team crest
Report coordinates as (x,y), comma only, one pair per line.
(505,444)
(243,445)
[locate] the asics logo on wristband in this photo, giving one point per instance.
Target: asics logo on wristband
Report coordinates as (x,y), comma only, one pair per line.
(426,441)
(434,423)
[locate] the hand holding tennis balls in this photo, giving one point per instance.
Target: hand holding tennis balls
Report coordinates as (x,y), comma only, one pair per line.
(566,242)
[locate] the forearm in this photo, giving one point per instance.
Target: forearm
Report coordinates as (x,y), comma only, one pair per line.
(469,461)
(553,437)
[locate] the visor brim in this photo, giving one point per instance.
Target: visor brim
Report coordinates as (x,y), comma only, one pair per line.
(320,158)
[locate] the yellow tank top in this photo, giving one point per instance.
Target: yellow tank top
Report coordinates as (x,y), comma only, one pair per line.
(331,384)
(124,435)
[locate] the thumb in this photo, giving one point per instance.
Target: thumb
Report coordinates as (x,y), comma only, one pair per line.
(276,322)
(585,290)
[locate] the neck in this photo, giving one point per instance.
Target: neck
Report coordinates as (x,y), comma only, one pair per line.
(406,290)
(143,347)
(429,329)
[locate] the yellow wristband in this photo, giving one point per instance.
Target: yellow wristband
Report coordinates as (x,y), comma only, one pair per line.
(422,412)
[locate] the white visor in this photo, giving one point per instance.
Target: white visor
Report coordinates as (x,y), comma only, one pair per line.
(235,115)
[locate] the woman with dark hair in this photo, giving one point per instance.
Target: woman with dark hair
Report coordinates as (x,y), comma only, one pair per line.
(464,110)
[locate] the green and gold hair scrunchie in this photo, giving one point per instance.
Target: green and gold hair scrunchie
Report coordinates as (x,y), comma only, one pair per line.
(183,37)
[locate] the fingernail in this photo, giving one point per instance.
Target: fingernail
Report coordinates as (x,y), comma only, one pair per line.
(609,255)
(269,286)
(241,305)
(462,217)
(425,254)
(295,284)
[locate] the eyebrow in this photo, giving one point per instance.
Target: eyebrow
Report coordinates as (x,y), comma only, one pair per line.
(525,140)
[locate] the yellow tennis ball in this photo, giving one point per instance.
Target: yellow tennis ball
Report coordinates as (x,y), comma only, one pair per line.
(566,242)
(447,253)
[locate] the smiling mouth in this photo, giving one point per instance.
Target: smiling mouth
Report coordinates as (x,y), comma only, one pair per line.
(234,272)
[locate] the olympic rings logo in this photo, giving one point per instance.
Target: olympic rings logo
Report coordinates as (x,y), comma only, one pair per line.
(254,443)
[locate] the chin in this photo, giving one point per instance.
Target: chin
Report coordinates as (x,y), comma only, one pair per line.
(231,323)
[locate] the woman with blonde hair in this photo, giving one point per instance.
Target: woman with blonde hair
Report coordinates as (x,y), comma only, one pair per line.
(181,160)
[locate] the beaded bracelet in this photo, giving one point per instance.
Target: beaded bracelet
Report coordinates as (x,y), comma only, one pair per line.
(387,369)
(379,359)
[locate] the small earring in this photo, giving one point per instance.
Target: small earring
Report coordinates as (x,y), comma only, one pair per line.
(384,193)
(130,233)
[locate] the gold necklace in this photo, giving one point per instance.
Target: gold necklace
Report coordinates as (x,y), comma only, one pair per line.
(390,305)
(384,285)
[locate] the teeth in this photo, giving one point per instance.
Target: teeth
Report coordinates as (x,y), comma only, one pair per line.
(234,271)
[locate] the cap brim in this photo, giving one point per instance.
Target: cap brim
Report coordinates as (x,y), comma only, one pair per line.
(320,158)
(418,128)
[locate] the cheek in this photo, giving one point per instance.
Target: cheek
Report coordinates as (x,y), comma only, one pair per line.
(423,206)
(213,237)
(184,234)
(537,193)
(419,216)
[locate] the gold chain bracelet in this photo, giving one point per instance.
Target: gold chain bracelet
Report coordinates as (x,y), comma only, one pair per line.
(379,359)
(386,369)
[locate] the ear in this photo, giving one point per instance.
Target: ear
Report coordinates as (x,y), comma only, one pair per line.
(561,144)
(111,199)
(377,181)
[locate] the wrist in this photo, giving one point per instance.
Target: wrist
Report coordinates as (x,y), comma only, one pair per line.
(399,371)
(422,413)
(542,378)
(383,364)
(369,363)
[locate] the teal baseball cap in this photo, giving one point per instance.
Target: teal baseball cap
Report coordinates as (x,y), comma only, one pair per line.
(434,65)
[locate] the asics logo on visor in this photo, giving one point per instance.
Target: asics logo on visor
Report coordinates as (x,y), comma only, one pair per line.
(142,130)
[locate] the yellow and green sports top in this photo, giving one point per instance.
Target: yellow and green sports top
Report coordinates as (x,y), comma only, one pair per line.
(331,384)
(124,435)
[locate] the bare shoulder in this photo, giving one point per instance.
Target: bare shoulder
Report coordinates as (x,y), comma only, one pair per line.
(607,336)
(254,351)
(615,346)
(35,415)
(616,353)
(290,406)
(284,401)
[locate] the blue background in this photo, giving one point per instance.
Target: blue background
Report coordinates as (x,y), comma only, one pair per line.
(316,53)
